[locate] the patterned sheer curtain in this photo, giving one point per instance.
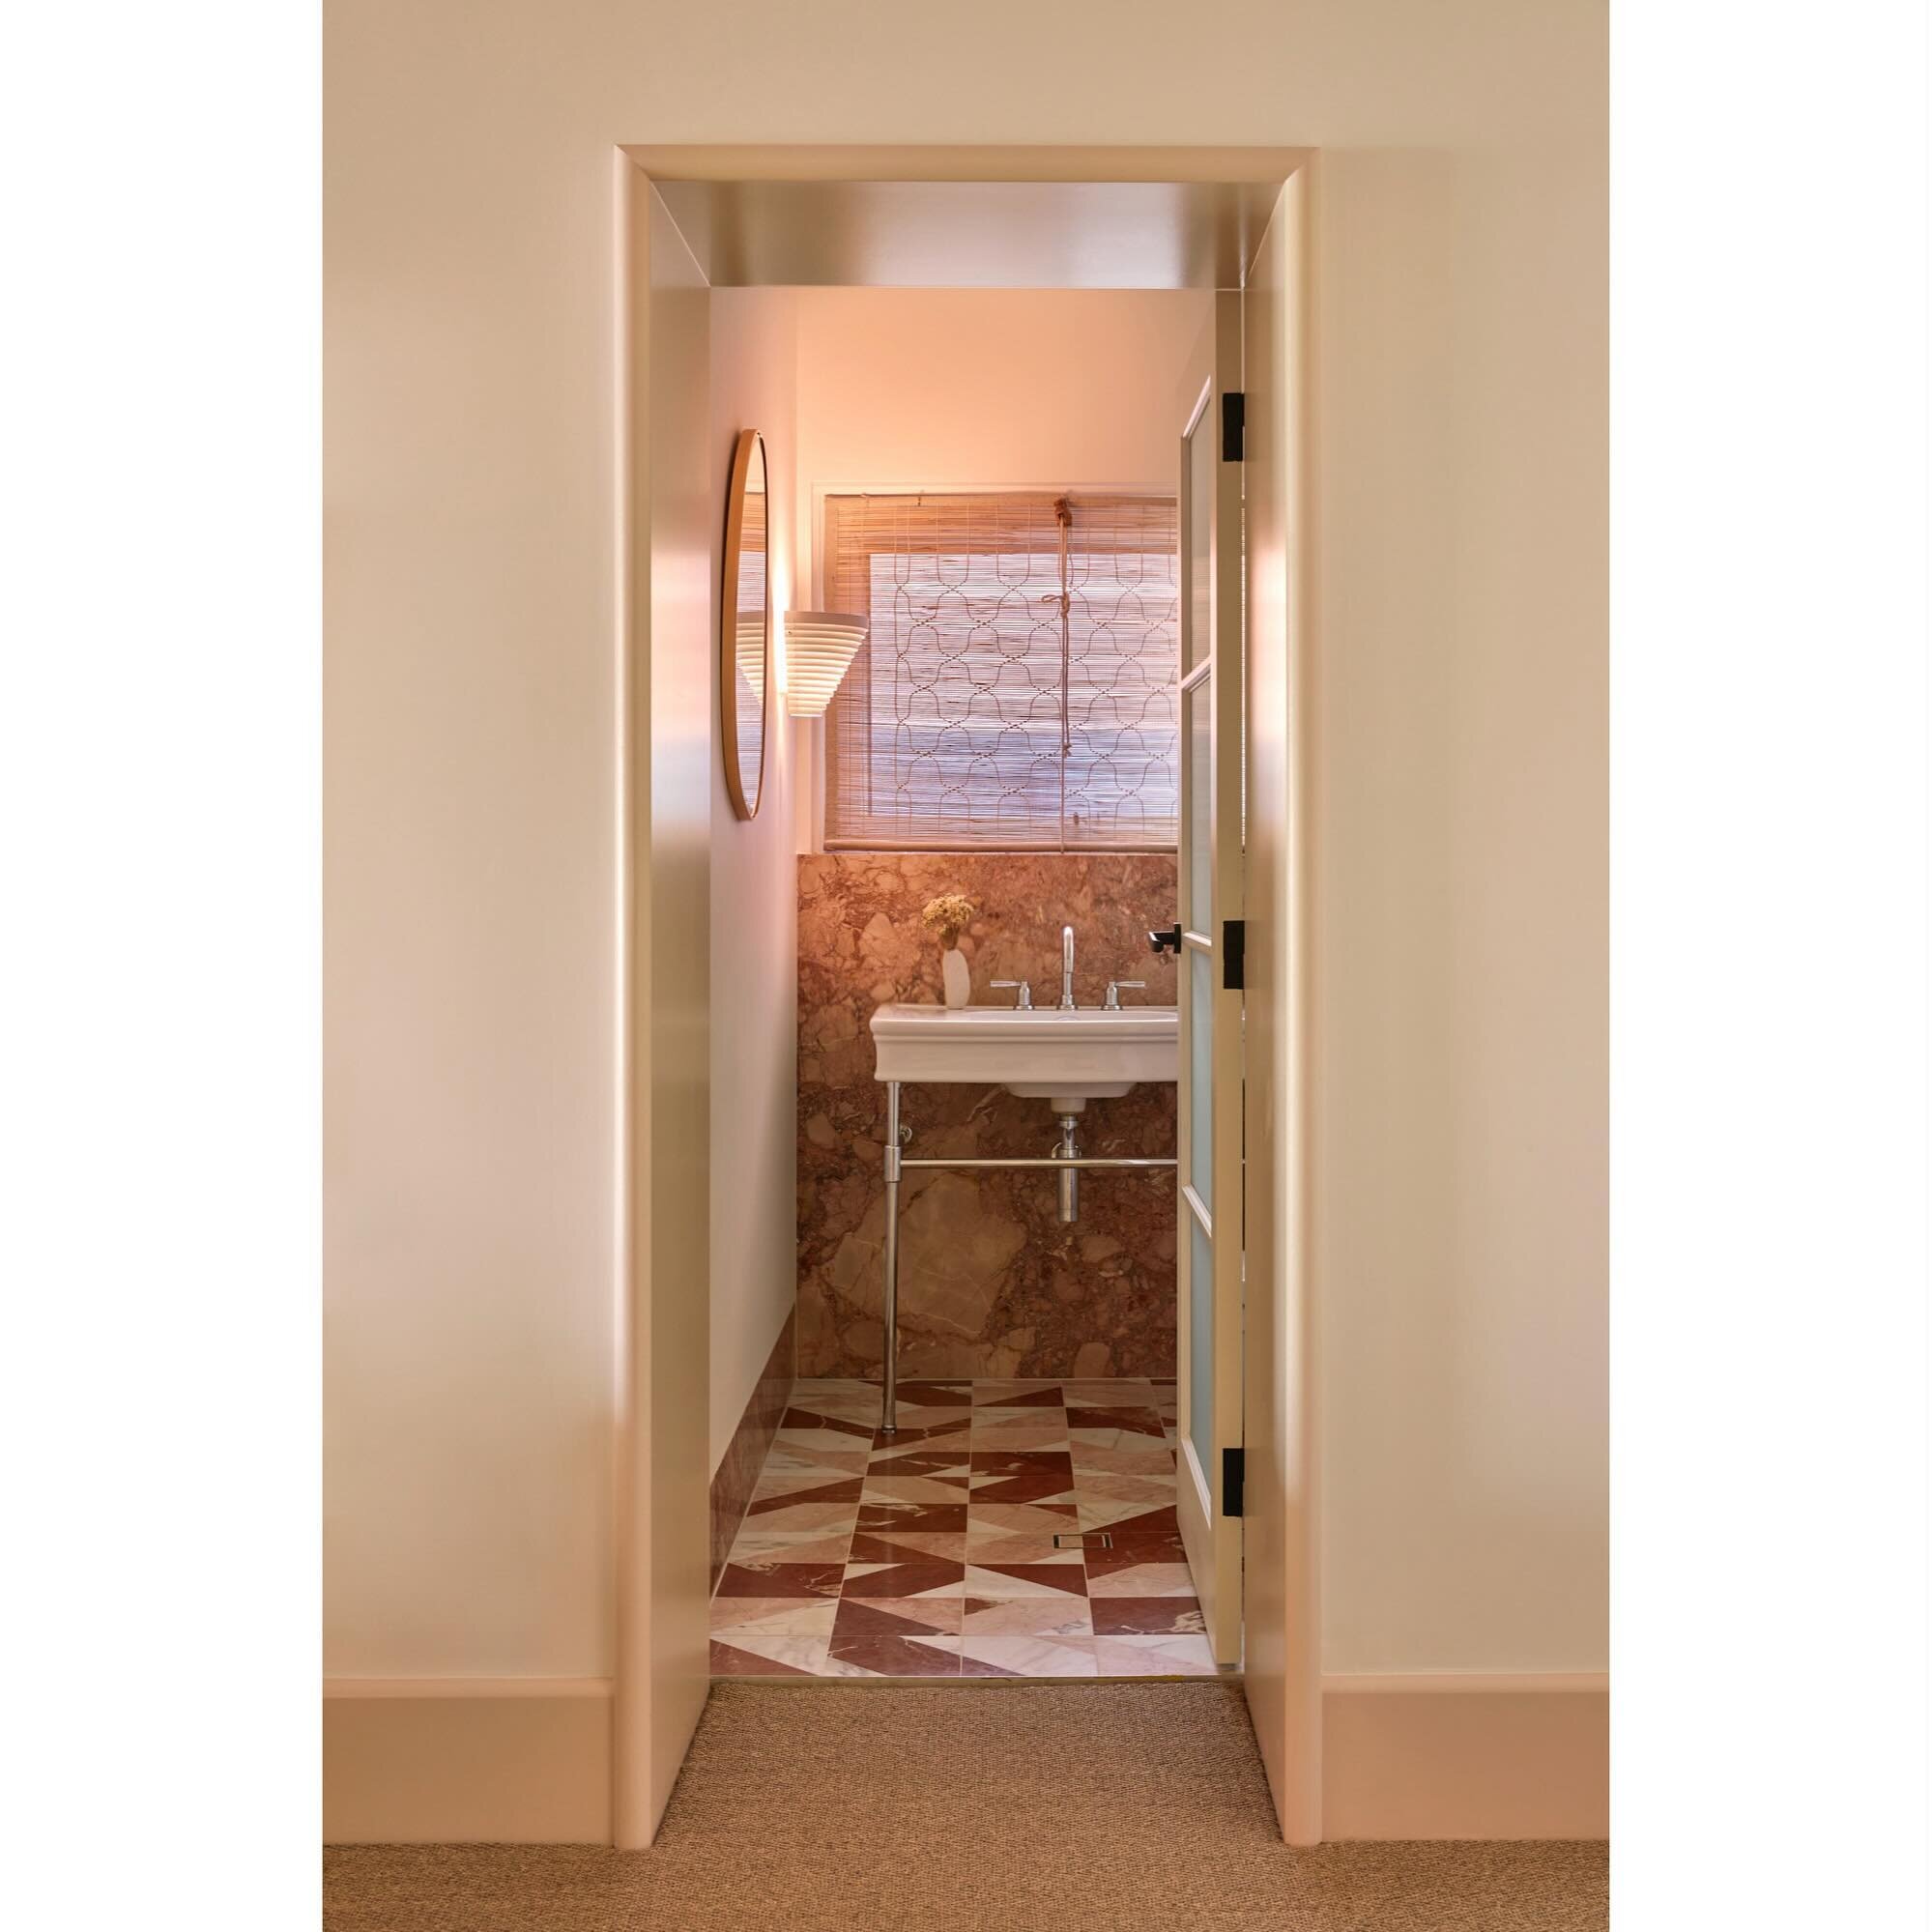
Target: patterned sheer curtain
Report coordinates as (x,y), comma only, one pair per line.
(1019,683)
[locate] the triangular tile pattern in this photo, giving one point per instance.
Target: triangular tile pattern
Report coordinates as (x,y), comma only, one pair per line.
(930,1552)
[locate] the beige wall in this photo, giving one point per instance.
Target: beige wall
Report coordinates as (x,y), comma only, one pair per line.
(753,907)
(1461,912)
(471,780)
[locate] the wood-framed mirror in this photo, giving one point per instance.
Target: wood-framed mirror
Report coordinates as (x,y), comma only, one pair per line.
(744,629)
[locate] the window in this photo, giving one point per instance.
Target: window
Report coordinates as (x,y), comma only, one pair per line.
(1019,684)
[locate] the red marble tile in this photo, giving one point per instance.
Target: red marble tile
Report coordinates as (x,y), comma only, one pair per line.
(1136,1421)
(736,1478)
(729,1662)
(901,1579)
(1142,1522)
(782,1579)
(802,1416)
(1023,1519)
(916,1440)
(1039,1476)
(1032,1486)
(938,1490)
(844,1489)
(1023,1463)
(1066,1579)
(1144,1616)
(1134,1552)
(898,1656)
(906,1547)
(950,1518)
(924,1617)
(938,1464)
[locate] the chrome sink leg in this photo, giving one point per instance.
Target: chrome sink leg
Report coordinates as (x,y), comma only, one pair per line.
(888,1419)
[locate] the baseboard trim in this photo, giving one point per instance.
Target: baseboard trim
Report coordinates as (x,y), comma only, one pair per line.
(467,1686)
(1466,1754)
(466,1761)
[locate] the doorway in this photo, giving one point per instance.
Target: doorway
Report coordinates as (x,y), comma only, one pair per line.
(1217,222)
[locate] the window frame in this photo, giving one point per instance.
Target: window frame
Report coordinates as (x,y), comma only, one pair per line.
(821,763)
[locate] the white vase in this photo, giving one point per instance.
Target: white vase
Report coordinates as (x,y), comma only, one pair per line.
(958,981)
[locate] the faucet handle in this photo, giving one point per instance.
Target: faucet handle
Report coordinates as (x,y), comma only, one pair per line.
(1114,987)
(1026,990)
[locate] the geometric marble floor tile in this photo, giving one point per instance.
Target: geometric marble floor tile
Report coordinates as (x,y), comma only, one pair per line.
(1153,1656)
(930,1553)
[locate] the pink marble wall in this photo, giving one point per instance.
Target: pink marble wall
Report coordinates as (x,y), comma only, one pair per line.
(737,1476)
(990,1282)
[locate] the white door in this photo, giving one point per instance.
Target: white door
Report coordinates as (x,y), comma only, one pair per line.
(1209,1207)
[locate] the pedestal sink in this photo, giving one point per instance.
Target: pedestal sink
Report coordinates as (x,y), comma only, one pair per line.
(1066,1056)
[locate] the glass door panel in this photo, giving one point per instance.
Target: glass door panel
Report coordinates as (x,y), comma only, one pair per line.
(1201,1345)
(1198,707)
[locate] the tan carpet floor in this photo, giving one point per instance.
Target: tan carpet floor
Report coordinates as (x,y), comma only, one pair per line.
(1106,1807)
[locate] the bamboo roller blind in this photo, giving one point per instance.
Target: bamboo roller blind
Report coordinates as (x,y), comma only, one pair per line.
(1014,690)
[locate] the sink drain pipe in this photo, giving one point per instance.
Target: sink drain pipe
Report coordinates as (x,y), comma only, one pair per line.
(1068,1151)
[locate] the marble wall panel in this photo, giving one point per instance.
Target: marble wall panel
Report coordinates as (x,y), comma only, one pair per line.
(991,1283)
(737,1476)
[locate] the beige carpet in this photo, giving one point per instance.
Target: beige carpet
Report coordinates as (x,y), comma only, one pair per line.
(1132,1808)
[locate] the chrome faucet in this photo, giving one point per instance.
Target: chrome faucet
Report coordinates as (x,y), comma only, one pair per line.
(1066,967)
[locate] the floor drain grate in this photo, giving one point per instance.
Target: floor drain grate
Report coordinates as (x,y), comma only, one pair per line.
(1084,1540)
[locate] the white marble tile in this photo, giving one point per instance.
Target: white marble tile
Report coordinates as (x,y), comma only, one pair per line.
(1018,1654)
(1045,1581)
(1177,1654)
(772,1616)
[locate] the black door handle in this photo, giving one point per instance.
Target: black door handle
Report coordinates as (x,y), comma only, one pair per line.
(1167,941)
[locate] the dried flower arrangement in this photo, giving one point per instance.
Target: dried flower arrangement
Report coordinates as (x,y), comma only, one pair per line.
(949,915)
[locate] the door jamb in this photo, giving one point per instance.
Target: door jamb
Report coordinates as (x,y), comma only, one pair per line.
(636,165)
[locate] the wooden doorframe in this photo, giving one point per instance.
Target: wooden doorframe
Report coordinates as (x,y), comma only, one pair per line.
(1281,1527)
(655,1453)
(661,1444)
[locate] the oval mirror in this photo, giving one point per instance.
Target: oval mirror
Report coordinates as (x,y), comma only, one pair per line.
(744,666)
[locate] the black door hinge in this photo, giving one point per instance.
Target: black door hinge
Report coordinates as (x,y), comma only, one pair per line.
(1233,425)
(1234,954)
(1234,1473)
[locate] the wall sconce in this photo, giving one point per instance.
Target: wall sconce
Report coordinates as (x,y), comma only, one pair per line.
(819,646)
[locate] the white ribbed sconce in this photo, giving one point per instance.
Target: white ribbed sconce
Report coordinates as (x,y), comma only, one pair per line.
(819,646)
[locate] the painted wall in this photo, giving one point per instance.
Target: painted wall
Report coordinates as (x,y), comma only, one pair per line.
(1461,973)
(471,984)
(753,906)
(989,385)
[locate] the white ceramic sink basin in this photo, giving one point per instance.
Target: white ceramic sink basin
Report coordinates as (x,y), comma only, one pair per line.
(1092,1052)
